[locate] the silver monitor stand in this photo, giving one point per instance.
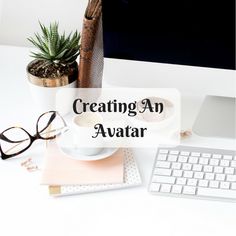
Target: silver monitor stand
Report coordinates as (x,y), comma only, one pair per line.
(217,118)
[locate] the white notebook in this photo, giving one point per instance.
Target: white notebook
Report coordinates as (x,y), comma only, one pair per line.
(131,178)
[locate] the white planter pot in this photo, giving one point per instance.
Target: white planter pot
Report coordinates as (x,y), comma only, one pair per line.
(45,91)
(48,98)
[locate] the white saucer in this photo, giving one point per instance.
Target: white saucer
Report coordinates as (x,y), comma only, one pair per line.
(65,144)
(74,154)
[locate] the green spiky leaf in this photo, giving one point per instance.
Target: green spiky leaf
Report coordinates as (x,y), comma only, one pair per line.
(55,48)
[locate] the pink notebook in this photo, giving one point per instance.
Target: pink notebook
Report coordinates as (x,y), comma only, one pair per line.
(59,169)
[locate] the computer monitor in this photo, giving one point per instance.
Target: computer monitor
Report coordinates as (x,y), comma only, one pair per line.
(192,39)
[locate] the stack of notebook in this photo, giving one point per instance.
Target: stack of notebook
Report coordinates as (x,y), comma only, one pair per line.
(66,176)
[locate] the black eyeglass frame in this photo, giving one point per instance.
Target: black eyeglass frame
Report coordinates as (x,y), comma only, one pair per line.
(32,138)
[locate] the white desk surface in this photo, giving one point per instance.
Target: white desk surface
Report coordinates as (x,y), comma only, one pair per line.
(27,209)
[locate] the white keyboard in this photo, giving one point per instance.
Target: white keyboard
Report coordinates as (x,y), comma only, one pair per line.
(197,172)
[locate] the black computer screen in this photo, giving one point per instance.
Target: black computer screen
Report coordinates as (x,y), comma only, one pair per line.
(186,32)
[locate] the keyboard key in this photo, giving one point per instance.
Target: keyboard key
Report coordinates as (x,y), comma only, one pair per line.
(197,167)
(220,177)
(207,168)
(186,166)
(163,151)
(176,165)
(163,164)
(177,173)
(207,155)
(218,169)
(233,186)
(195,154)
(162,157)
(188,174)
(203,161)
(172,158)
(160,171)
(176,189)
(233,164)
(224,185)
(209,176)
(217,156)
(193,160)
(174,152)
(183,159)
(181,181)
(165,188)
(214,162)
(229,170)
(198,175)
(209,192)
(224,163)
(163,179)
(203,183)
(192,182)
(184,153)
(189,190)
(214,184)
(231,178)
(155,187)
(228,157)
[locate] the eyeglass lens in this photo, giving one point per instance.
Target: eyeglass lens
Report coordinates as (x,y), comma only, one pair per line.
(15,140)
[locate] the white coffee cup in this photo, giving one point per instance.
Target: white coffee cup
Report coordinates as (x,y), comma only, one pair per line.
(83,126)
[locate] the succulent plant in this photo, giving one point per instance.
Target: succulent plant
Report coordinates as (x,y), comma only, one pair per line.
(55,48)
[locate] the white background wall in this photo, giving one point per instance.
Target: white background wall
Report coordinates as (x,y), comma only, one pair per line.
(19,18)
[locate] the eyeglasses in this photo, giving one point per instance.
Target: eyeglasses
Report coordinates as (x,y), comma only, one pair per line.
(16,140)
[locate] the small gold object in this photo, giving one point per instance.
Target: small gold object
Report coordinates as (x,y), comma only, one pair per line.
(27,162)
(29,165)
(53,190)
(185,133)
(32,168)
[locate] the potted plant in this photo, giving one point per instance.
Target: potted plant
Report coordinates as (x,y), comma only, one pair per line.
(54,65)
